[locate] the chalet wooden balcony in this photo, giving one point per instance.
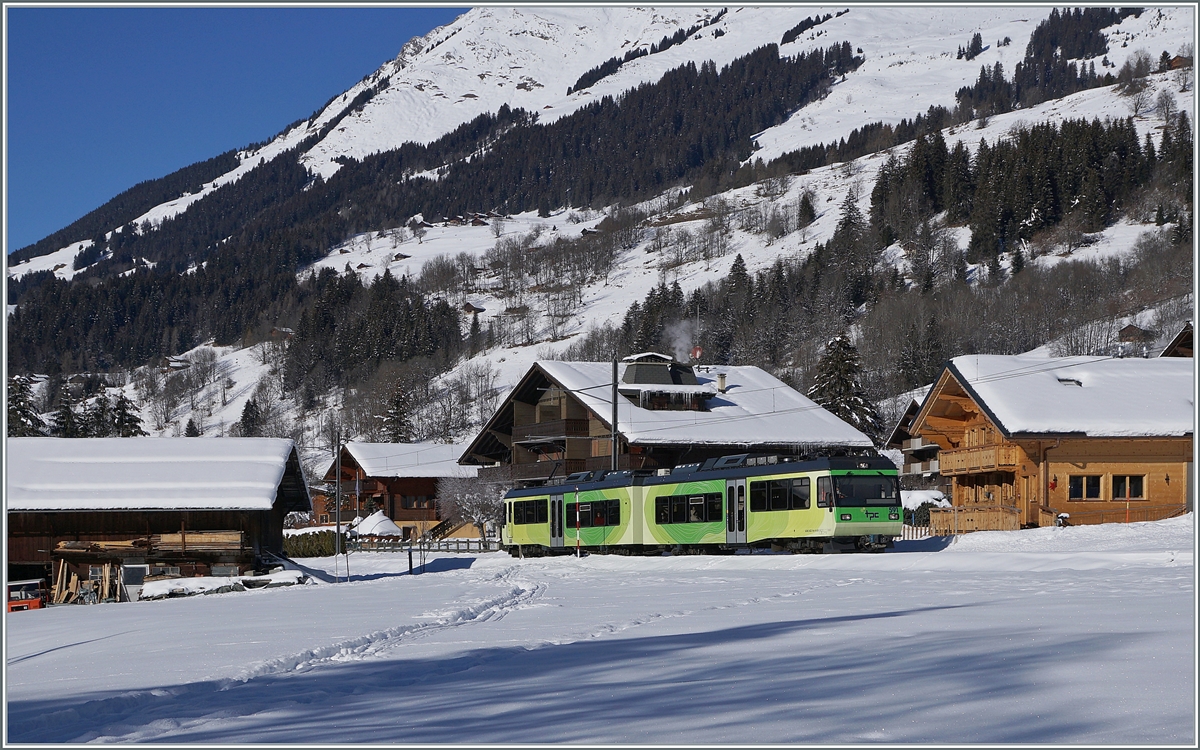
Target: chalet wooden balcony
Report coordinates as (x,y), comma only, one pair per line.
(978,460)
(541,470)
(553,430)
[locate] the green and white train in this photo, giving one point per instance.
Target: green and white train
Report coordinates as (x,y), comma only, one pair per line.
(725,504)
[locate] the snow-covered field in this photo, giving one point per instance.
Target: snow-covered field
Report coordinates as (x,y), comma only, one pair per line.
(1075,635)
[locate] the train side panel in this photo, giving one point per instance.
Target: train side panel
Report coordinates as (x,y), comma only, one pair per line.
(621,533)
(659,531)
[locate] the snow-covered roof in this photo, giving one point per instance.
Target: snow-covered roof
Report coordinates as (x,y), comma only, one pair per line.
(410,459)
(47,474)
(1101,397)
(756,409)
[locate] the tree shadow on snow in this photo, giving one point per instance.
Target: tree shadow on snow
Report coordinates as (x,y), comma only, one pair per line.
(788,685)
(928,544)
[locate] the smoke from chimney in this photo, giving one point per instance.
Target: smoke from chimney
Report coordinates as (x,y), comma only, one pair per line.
(681,336)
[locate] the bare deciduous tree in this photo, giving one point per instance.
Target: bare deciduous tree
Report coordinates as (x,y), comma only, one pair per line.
(468,500)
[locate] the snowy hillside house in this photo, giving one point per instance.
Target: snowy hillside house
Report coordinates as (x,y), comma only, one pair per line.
(185,506)
(1029,438)
(401,480)
(558,420)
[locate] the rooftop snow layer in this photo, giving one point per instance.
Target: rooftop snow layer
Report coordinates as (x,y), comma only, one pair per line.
(46,474)
(410,459)
(1101,397)
(756,409)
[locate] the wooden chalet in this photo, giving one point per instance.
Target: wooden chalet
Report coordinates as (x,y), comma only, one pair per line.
(919,467)
(193,506)
(401,479)
(558,419)
(1181,345)
(1025,439)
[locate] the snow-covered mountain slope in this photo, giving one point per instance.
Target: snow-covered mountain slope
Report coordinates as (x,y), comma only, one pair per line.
(528,57)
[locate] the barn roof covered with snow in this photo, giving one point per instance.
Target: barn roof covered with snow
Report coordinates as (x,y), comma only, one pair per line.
(82,474)
(752,408)
(408,460)
(1092,396)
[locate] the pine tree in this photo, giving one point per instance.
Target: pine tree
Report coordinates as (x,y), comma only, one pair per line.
(251,421)
(96,420)
(23,419)
(837,387)
(398,422)
(126,422)
(806,214)
(191,430)
(66,421)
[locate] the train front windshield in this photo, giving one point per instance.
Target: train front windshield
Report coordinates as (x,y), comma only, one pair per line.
(859,491)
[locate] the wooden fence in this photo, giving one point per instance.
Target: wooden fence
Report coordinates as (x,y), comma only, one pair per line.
(915,532)
(966,518)
(1122,514)
(397,544)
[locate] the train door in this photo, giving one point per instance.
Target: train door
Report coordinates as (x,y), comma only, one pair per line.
(735,511)
(556,521)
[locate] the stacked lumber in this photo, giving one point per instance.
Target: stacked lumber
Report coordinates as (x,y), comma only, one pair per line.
(73,590)
(199,541)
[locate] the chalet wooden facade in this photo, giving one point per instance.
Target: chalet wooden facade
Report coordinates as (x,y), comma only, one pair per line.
(401,479)
(558,419)
(1101,440)
(191,505)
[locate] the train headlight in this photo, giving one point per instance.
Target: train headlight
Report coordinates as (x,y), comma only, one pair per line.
(845,516)
(893,516)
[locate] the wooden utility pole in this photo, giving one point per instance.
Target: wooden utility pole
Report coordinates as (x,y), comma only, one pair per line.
(337,499)
(614,418)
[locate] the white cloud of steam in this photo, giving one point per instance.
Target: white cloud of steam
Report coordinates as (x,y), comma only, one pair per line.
(681,336)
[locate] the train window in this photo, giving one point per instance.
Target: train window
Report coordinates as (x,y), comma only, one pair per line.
(510,506)
(857,490)
(695,509)
(662,509)
(542,516)
(678,509)
(729,514)
(824,492)
(713,500)
(779,492)
(519,512)
(800,493)
(758,496)
(614,512)
(600,514)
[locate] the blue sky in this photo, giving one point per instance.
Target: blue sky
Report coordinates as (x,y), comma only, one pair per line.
(100,99)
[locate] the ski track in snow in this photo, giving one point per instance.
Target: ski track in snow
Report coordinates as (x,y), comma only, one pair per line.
(647,629)
(110,712)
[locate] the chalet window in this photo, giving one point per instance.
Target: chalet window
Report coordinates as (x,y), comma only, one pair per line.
(1125,487)
(1083,487)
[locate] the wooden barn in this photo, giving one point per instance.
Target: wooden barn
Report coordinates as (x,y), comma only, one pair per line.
(401,480)
(558,419)
(193,506)
(1025,439)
